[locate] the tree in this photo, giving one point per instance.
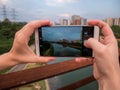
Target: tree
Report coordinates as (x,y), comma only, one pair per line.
(116,30)
(6,21)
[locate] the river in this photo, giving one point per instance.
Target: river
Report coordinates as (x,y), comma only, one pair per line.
(66,79)
(60,50)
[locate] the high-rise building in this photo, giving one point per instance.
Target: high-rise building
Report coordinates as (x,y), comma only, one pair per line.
(117,21)
(83,21)
(110,21)
(113,21)
(77,20)
(64,22)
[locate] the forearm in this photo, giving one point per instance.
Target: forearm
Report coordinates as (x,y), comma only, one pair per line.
(6,60)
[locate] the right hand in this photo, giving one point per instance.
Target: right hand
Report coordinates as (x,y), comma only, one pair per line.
(106,61)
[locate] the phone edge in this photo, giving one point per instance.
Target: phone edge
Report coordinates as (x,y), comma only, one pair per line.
(37,49)
(96,35)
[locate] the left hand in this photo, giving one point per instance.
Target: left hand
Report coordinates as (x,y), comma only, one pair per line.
(20,52)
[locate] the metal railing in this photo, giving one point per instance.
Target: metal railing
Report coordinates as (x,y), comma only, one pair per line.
(20,78)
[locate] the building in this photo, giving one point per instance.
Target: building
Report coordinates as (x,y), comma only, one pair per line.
(113,21)
(64,22)
(117,21)
(83,21)
(110,21)
(77,20)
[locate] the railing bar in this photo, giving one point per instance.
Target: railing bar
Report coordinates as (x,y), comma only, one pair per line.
(78,84)
(24,77)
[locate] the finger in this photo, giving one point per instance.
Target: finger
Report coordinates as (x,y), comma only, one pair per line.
(29,29)
(106,30)
(43,59)
(94,44)
(81,59)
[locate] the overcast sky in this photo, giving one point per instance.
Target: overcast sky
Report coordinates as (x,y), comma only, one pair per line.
(61,33)
(27,10)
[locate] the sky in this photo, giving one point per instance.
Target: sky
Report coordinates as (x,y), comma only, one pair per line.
(56,34)
(28,10)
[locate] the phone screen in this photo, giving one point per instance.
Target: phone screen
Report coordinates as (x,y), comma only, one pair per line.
(65,41)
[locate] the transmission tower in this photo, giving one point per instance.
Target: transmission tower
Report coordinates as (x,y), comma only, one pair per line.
(14,14)
(4,12)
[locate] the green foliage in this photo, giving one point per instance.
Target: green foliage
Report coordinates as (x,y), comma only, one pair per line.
(7,32)
(119,44)
(5,45)
(116,30)
(32,40)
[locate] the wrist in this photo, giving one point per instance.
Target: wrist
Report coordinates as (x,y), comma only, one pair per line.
(110,83)
(12,59)
(7,60)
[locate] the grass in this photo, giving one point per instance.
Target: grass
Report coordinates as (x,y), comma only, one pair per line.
(40,84)
(33,86)
(5,70)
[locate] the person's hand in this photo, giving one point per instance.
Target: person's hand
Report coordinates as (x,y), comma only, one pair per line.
(20,52)
(106,58)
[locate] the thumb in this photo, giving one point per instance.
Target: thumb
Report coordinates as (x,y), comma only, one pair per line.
(93,44)
(44,59)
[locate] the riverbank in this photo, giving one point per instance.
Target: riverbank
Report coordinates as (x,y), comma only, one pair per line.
(40,85)
(47,84)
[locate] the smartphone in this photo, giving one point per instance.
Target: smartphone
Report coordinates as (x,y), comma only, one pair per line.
(64,41)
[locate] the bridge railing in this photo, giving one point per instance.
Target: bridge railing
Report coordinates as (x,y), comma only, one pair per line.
(20,78)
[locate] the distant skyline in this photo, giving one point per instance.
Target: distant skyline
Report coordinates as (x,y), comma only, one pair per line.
(28,10)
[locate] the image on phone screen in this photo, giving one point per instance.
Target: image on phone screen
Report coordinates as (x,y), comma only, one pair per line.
(64,41)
